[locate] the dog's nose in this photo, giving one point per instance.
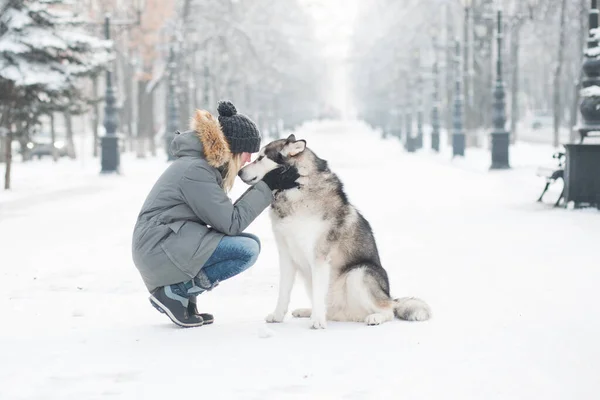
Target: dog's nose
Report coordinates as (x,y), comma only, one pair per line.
(240,173)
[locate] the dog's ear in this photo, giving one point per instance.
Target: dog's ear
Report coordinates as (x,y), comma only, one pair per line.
(294,148)
(291,139)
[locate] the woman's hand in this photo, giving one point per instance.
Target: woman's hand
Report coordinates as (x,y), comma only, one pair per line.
(282,178)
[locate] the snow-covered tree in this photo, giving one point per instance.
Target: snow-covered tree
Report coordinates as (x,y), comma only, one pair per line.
(43,54)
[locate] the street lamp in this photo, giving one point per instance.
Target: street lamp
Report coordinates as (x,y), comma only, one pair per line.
(458,135)
(409,141)
(500,137)
(419,83)
(468,61)
(582,163)
(109,143)
(398,95)
(435,114)
(110,160)
(590,101)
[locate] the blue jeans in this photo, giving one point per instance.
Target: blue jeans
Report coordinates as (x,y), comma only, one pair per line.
(233,255)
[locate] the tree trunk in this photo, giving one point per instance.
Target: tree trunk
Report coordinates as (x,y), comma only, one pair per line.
(128,106)
(449,74)
(70,143)
(557,74)
(2,150)
(514,86)
(573,134)
(8,159)
(141,120)
(53,138)
(465,80)
(95,115)
(4,123)
(151,129)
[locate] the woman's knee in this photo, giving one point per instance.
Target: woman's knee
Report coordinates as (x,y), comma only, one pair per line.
(254,237)
(251,248)
(242,247)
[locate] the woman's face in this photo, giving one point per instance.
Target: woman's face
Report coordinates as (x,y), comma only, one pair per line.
(246,158)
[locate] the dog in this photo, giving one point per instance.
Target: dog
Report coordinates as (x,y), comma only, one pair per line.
(321,236)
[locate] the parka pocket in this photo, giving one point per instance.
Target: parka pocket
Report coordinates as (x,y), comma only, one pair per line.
(181,245)
(176,226)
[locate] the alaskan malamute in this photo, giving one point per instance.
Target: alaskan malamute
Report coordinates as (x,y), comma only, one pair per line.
(323,237)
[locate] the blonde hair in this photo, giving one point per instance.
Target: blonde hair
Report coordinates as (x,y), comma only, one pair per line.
(233,167)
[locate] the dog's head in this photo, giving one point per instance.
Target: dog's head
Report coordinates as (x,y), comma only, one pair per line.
(278,153)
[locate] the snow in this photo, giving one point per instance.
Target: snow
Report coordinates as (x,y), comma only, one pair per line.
(9,45)
(15,19)
(512,284)
(26,73)
(593,52)
(38,37)
(590,91)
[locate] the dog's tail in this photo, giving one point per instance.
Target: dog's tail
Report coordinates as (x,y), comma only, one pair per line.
(411,309)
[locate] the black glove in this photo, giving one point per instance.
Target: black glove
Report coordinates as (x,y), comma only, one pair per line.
(282,178)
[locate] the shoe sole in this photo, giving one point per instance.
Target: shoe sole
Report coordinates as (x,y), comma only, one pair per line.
(208,321)
(164,310)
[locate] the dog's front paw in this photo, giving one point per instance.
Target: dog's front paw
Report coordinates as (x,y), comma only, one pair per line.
(318,323)
(375,319)
(275,317)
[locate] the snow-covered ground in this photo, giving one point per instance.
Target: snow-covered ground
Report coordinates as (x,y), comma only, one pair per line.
(513,286)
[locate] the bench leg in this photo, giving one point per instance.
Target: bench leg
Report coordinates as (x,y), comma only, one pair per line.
(559,198)
(544,192)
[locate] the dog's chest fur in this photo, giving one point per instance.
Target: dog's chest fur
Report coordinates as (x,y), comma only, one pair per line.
(299,224)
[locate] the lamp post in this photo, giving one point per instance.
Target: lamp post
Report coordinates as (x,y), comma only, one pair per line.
(109,143)
(409,141)
(458,135)
(590,101)
(582,162)
(172,104)
(467,67)
(110,160)
(397,96)
(435,113)
(419,84)
(399,120)
(500,137)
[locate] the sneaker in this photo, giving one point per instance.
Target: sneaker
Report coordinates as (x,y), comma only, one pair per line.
(193,310)
(175,307)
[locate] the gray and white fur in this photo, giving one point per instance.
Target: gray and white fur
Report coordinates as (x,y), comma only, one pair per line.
(325,239)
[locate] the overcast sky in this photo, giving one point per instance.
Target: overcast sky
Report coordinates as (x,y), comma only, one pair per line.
(334,21)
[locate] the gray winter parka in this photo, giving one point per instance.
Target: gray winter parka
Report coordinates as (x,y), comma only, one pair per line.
(187,212)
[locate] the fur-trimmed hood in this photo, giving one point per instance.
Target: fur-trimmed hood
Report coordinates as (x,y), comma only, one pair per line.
(211,145)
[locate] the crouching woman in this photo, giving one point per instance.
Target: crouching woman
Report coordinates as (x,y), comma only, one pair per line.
(189,235)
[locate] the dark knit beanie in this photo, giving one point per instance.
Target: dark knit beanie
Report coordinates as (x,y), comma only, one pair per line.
(241,133)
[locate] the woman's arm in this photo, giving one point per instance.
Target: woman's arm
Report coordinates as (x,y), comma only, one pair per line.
(210,203)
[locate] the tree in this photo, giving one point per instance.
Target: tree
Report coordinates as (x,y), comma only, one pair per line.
(42,57)
(258,53)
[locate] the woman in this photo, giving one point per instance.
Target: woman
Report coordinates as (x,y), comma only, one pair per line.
(188,235)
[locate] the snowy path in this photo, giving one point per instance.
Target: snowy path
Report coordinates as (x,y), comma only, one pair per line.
(513,286)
